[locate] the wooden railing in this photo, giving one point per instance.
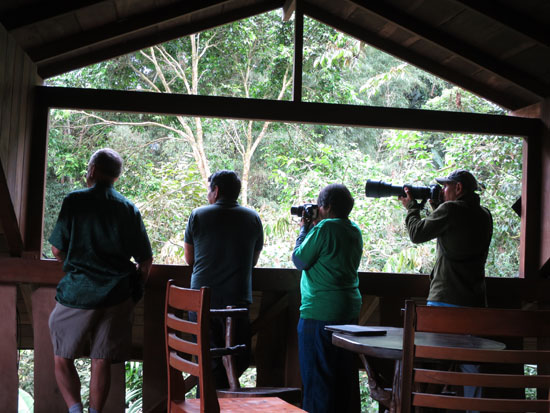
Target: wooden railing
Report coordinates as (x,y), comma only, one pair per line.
(27,291)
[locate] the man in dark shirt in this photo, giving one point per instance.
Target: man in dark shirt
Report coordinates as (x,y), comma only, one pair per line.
(463,229)
(223,242)
(97,234)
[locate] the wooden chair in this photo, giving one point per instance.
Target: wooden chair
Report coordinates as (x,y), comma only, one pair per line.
(230,351)
(419,372)
(188,351)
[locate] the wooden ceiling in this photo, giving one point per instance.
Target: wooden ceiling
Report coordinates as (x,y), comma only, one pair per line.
(498,49)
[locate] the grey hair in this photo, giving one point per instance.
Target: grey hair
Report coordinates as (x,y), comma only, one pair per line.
(107,161)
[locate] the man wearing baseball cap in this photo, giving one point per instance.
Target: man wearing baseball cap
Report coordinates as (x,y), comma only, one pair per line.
(463,229)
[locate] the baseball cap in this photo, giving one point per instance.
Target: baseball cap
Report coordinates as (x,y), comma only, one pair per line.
(463,176)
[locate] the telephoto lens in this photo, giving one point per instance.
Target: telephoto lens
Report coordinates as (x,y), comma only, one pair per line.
(380,189)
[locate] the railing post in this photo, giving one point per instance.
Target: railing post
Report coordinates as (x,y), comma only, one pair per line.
(47,397)
(9,383)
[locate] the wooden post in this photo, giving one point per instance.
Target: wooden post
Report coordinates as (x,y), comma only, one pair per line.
(535,225)
(9,382)
(47,397)
(298,51)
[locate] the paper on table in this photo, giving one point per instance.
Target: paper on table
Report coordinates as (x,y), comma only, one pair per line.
(356,330)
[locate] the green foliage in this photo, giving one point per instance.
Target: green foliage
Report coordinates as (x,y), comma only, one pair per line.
(134,386)
(26,371)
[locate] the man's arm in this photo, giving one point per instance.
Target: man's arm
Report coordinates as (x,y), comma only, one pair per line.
(144,268)
(58,254)
(422,230)
(301,259)
(256,257)
(189,253)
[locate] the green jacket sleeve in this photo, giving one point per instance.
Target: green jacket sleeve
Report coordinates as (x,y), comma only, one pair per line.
(309,250)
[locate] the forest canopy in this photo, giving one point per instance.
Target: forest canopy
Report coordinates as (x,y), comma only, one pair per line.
(169,158)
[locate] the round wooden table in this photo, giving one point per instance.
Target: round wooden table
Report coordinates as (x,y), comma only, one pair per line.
(390,346)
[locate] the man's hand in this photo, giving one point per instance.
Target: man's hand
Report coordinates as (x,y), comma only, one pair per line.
(406,199)
(58,254)
(144,268)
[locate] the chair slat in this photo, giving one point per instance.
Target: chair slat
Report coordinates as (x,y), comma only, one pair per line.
(183,346)
(487,356)
(484,321)
(183,365)
(481,404)
(184,298)
(480,379)
(185,326)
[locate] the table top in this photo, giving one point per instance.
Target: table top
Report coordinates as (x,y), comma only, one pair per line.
(390,346)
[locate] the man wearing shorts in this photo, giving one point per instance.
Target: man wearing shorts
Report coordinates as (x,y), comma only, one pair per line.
(97,234)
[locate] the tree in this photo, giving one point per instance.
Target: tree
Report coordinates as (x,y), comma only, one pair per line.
(282,164)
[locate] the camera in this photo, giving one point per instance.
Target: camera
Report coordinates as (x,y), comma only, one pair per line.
(308,211)
(379,189)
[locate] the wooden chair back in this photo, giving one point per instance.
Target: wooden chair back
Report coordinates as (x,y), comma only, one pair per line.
(188,346)
(188,351)
(422,366)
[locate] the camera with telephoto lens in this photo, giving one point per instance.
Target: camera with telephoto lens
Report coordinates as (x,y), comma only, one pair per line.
(379,189)
(308,211)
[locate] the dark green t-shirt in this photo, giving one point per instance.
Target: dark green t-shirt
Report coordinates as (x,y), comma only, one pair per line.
(331,253)
(100,231)
(225,236)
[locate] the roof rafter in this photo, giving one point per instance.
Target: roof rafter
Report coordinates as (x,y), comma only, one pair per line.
(455,47)
(55,67)
(407,55)
(111,31)
(511,18)
(24,16)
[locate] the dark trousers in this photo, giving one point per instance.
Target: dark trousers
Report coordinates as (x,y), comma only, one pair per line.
(330,374)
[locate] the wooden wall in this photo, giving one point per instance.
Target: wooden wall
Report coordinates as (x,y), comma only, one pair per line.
(17,78)
(540,182)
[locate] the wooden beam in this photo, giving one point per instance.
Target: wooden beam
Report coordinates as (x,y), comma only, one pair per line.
(531,185)
(53,67)
(288,8)
(36,179)
(404,53)
(284,111)
(511,18)
(455,47)
(43,10)
(132,24)
(8,218)
(389,285)
(298,52)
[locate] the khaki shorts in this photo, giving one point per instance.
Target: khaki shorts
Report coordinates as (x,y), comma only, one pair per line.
(106,332)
